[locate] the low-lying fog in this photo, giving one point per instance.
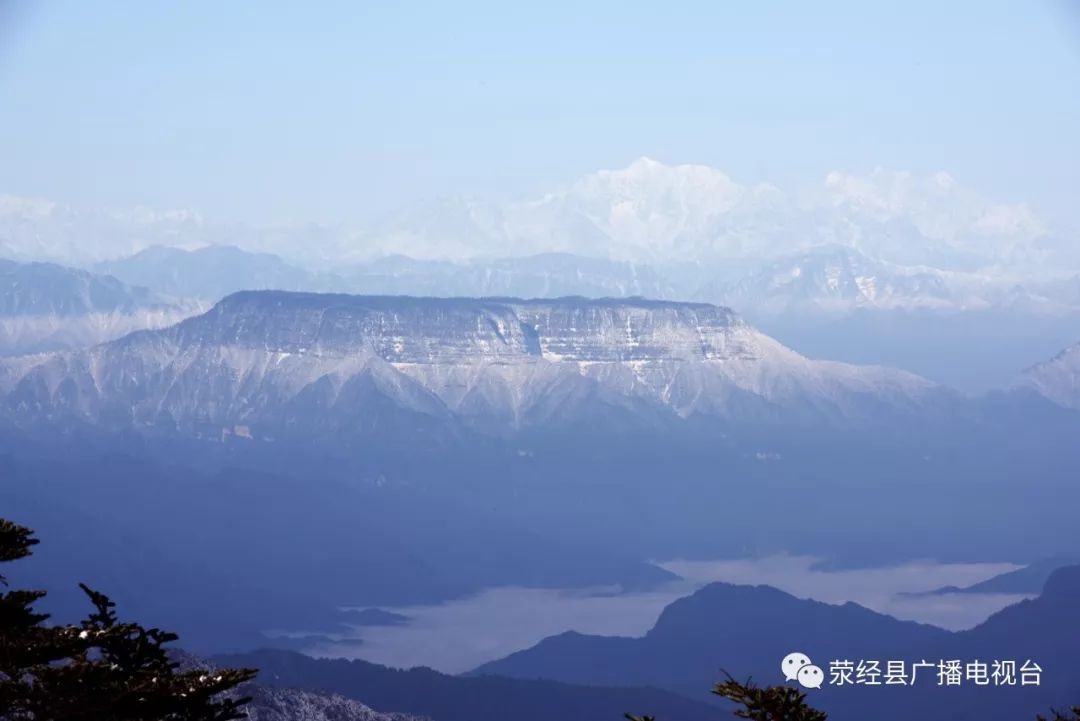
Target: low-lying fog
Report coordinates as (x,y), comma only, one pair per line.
(458,636)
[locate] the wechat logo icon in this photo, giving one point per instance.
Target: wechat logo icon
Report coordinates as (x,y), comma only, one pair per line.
(798,667)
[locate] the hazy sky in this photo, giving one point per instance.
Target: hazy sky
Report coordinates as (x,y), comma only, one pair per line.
(340,111)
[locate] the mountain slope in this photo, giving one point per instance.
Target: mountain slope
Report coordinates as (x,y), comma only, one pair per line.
(287,704)
(833,278)
(1058,379)
(33,289)
(274,703)
(274,364)
(46,307)
(214,271)
(744,629)
(748,630)
(449,698)
(1029,579)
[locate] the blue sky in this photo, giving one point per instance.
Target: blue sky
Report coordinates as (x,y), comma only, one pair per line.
(342,111)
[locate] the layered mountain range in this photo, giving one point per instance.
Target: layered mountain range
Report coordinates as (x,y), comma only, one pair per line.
(287,678)
(646,211)
(748,630)
(830,279)
(970,330)
(869,269)
(270,364)
(745,631)
(907,235)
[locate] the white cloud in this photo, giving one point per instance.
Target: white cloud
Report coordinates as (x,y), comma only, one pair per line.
(462,634)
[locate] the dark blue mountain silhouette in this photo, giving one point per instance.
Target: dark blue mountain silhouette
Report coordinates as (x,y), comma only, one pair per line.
(747,631)
(743,629)
(438,696)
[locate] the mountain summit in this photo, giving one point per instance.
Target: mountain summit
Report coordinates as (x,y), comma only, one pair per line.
(1057,379)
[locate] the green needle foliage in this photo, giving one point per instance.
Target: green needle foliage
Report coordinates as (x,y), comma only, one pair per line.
(101,669)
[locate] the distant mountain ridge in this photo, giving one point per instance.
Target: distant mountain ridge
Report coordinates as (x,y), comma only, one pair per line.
(651,210)
(425,692)
(831,278)
(28,289)
(268,702)
(647,211)
(276,362)
(212,272)
(744,629)
(47,307)
(828,301)
(1057,379)
(835,279)
(748,630)
(1028,579)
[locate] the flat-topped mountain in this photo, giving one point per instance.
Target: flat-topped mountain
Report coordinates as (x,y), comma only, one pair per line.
(268,364)
(410,330)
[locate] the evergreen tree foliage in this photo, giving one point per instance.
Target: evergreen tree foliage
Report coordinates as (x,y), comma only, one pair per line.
(1072,715)
(100,669)
(770,703)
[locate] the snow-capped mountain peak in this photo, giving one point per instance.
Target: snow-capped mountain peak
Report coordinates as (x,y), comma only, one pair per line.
(648,211)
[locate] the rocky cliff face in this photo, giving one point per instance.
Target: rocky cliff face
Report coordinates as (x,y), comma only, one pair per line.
(261,363)
(407,330)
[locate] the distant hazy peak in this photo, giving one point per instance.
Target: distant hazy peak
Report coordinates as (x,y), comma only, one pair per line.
(50,289)
(646,211)
(1058,379)
(47,307)
(648,180)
